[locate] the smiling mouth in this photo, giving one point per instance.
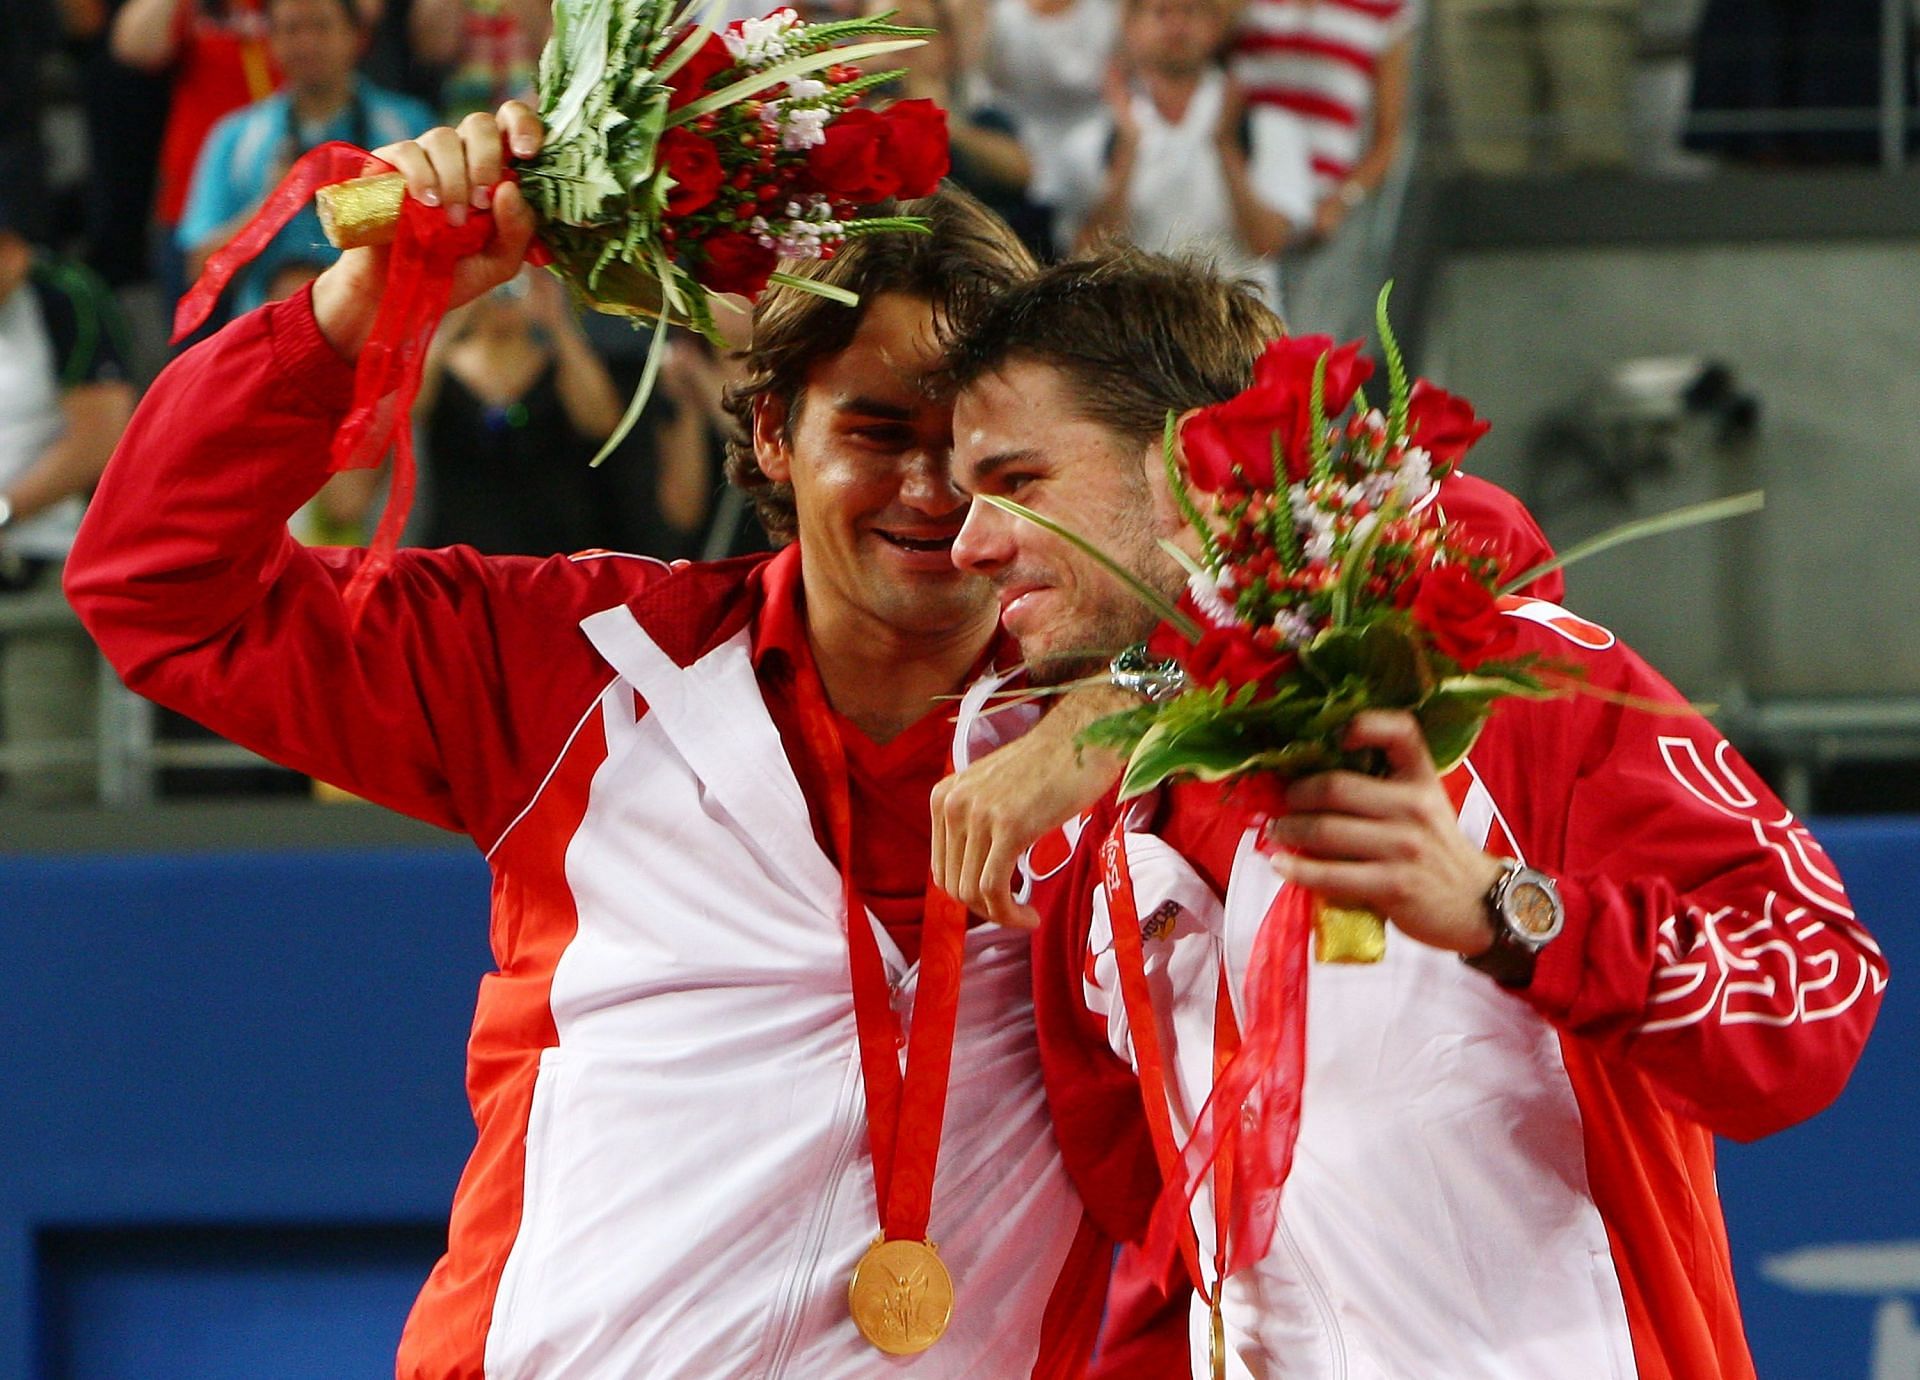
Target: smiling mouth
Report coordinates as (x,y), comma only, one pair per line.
(1013,594)
(925,545)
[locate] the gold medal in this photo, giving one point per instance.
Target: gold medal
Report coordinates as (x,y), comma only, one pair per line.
(901,1296)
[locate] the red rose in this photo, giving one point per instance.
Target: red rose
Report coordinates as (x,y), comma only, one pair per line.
(1168,643)
(733,262)
(690,82)
(1288,364)
(1231,657)
(850,162)
(695,169)
(1460,615)
(1242,431)
(916,146)
(1441,424)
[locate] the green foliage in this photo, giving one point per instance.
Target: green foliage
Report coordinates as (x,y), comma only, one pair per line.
(1383,658)
(1398,388)
(1321,452)
(1183,496)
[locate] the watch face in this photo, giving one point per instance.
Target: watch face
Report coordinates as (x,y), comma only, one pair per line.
(1531,908)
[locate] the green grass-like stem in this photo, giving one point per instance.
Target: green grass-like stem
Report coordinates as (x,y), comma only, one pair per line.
(1693,515)
(833,292)
(786,71)
(656,352)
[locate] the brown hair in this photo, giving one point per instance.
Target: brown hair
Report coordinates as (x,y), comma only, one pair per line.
(969,255)
(1139,334)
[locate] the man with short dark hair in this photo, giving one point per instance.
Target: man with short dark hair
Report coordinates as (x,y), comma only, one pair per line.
(317,45)
(1178,160)
(702,793)
(1505,1166)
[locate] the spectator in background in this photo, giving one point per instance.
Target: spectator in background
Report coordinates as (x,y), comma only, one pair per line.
(1340,68)
(1180,162)
(490,48)
(1045,63)
(988,157)
(216,52)
(317,44)
(64,400)
(514,405)
(1539,77)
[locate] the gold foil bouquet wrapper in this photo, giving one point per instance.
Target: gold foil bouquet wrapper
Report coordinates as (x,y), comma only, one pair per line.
(1342,934)
(363,212)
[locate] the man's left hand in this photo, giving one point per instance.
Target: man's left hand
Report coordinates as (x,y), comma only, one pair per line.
(1389,844)
(985,817)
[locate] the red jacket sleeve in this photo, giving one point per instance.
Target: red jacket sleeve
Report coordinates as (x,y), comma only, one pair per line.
(1709,941)
(465,674)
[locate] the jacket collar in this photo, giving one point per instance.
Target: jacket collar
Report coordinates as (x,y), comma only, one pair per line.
(692,663)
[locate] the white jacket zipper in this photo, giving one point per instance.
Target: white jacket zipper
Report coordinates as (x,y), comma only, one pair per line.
(1329,1324)
(793,1303)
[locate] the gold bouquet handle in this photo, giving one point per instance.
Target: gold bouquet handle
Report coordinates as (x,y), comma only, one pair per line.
(1342,934)
(363,212)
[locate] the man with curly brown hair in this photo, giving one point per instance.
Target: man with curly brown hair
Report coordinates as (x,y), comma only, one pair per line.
(686,781)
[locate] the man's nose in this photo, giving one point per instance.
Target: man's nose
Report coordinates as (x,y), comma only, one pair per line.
(927,483)
(982,546)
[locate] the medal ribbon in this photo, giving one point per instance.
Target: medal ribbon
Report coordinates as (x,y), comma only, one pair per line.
(905,1112)
(420,268)
(1249,1156)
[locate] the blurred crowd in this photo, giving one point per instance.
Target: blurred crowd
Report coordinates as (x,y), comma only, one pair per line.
(137,137)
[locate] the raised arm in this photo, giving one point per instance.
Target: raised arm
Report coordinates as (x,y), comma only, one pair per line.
(185,574)
(146,33)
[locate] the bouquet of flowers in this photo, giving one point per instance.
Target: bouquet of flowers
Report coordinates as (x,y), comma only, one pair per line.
(1326,585)
(680,158)
(678,162)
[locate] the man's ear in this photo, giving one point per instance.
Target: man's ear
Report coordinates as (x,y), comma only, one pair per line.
(1168,521)
(772,449)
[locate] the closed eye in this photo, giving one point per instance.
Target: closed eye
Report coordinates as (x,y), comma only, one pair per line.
(888,436)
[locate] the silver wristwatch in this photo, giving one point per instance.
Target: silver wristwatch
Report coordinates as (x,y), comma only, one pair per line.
(1526,912)
(1137,673)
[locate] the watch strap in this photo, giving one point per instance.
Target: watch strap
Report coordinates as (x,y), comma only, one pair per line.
(1509,960)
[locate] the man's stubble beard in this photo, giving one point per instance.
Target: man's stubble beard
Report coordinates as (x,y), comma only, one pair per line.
(1116,625)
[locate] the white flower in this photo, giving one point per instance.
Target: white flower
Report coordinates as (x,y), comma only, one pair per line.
(804,128)
(760,42)
(1415,477)
(1295,629)
(1319,546)
(1206,595)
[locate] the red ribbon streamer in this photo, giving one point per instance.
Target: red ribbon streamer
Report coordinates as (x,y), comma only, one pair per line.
(906,1112)
(318,167)
(426,249)
(1253,1112)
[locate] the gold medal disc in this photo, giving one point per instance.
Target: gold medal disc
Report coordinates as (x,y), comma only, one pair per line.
(901,1296)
